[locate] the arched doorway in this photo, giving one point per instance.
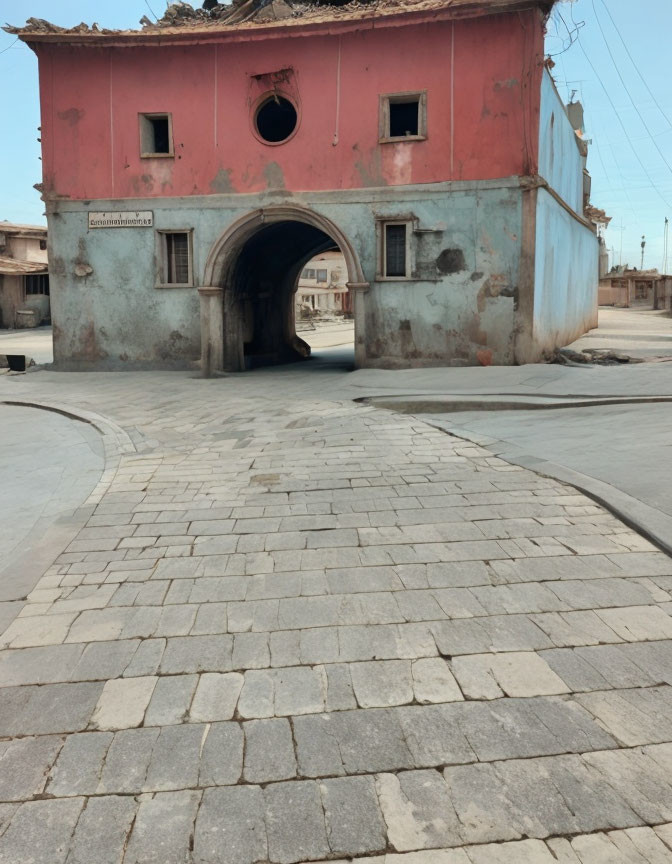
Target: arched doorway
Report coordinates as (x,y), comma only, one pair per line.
(251,275)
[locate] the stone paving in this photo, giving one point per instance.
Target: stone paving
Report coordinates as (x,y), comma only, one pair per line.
(298,629)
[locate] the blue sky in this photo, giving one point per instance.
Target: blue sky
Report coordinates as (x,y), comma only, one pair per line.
(628,117)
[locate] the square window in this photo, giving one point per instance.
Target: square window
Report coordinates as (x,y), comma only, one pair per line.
(38,284)
(321,275)
(156,135)
(176,267)
(403,117)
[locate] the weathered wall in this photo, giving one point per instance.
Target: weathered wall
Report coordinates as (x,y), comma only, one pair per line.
(482,119)
(27,249)
(11,297)
(565,277)
(460,310)
(566,250)
(560,162)
(111,316)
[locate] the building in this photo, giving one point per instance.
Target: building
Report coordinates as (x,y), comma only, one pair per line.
(644,289)
(24,275)
(193,167)
(322,286)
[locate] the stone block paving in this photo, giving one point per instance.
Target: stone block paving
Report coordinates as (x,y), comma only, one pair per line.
(297,629)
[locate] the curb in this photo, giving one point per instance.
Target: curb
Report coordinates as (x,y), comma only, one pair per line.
(652,524)
(116,441)
(451,404)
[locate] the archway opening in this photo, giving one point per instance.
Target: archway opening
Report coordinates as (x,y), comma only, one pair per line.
(263,285)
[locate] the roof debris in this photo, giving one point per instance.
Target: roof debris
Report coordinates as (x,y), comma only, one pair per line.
(212,15)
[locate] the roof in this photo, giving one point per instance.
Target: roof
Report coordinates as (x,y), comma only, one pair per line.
(16,267)
(181,22)
(15,228)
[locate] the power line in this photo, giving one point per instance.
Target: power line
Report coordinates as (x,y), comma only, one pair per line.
(11,45)
(623,127)
(151,10)
(625,87)
(606,9)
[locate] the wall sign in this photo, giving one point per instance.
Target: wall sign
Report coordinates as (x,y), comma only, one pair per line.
(122,219)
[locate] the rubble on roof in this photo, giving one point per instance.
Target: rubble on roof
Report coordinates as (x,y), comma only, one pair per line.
(39,25)
(213,15)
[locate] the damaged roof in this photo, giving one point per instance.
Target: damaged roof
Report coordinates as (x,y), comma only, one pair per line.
(15,228)
(17,267)
(182,20)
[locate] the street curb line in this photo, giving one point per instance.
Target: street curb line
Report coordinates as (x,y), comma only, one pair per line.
(451,404)
(116,442)
(654,526)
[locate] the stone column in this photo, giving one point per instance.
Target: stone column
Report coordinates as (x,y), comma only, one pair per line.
(212,330)
(359,291)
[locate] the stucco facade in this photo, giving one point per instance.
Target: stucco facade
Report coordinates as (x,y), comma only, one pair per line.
(478,191)
(24,279)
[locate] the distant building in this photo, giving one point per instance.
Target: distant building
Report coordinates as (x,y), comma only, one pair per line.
(24,275)
(643,289)
(322,286)
(193,167)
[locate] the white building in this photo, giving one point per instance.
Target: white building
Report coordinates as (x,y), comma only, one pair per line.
(24,279)
(322,286)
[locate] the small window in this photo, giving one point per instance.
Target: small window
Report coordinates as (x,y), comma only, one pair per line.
(276,119)
(309,274)
(156,135)
(43,245)
(403,117)
(395,257)
(38,284)
(176,263)
(321,275)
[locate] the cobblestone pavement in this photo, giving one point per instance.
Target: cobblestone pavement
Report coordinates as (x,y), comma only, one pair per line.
(297,629)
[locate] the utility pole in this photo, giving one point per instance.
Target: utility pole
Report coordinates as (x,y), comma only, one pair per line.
(643,244)
(665,241)
(620,254)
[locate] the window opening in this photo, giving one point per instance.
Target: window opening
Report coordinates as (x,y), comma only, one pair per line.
(43,245)
(276,119)
(156,135)
(177,258)
(321,275)
(395,250)
(404,118)
(37,284)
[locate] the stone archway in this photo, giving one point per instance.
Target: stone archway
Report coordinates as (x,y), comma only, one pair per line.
(251,272)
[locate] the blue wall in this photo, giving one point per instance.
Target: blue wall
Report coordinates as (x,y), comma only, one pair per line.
(560,162)
(565,276)
(566,249)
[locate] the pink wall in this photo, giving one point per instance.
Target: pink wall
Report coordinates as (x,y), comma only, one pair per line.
(483,124)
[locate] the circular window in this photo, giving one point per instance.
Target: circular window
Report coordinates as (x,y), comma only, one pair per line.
(276,119)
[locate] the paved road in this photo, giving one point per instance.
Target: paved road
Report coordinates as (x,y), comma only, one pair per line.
(626,446)
(35,343)
(49,464)
(298,629)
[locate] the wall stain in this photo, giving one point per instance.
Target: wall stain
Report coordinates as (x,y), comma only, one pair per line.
(275,179)
(221,182)
(496,285)
(72,116)
(451,261)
